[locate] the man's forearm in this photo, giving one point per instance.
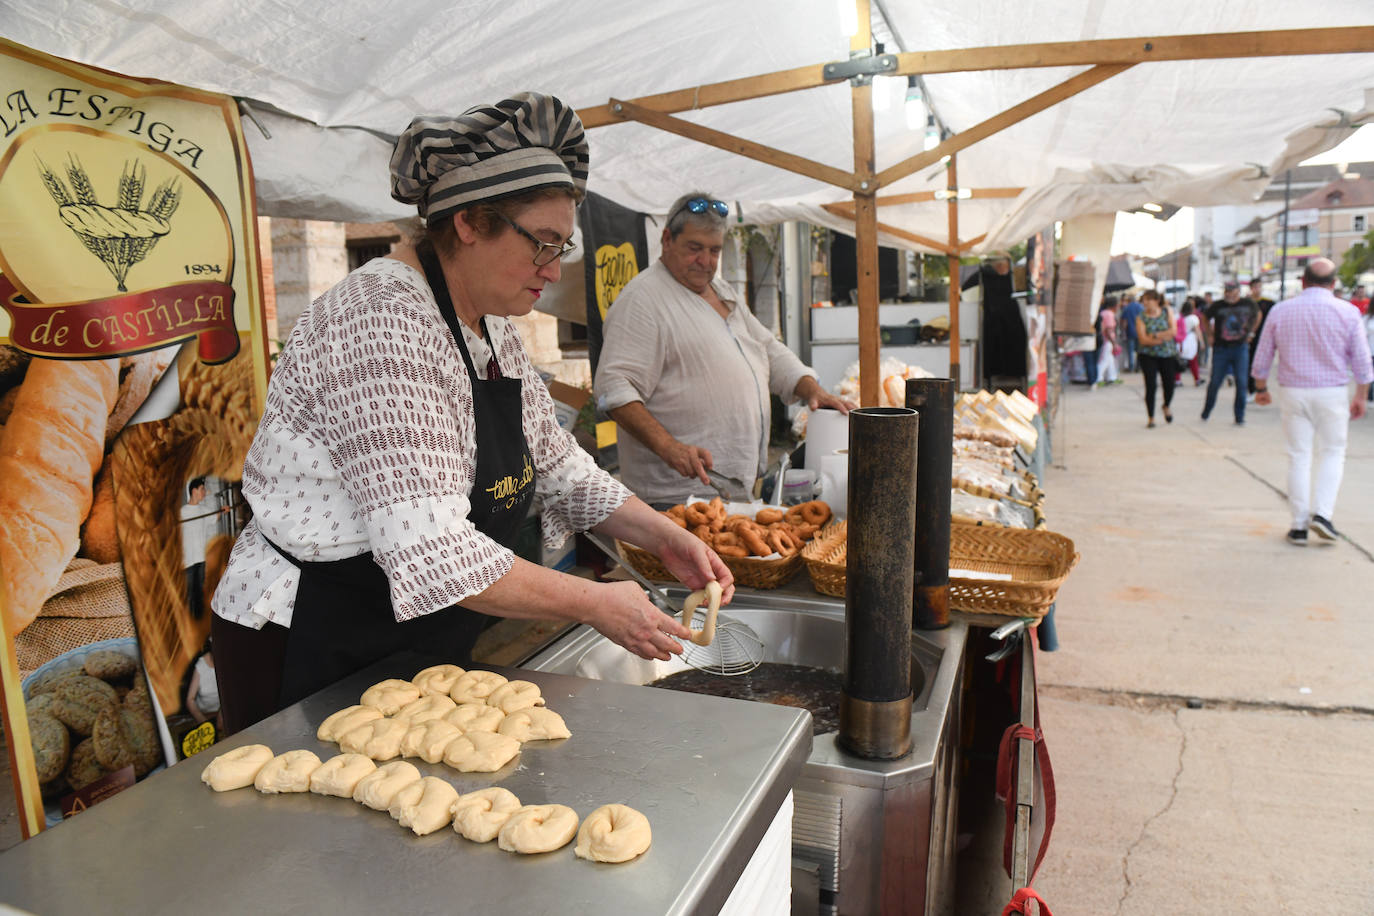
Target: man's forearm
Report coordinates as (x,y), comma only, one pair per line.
(636,420)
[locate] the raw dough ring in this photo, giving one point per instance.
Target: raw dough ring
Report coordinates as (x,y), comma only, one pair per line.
(706,634)
(475,717)
(424,806)
(437,679)
(390,695)
(480,815)
(377,789)
(514,696)
(340,775)
(434,706)
(237,768)
(289,772)
(475,686)
(613,833)
(538,828)
(534,724)
(345,720)
(480,752)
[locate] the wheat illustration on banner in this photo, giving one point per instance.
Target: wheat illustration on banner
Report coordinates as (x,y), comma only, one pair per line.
(121,235)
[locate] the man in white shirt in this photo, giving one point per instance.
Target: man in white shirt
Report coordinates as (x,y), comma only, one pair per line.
(686,369)
(199,521)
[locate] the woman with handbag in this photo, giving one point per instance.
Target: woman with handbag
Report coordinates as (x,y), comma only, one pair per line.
(1158,352)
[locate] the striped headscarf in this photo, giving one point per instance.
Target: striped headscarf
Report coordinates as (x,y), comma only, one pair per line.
(488,152)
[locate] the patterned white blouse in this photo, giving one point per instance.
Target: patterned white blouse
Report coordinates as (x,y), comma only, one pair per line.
(367,443)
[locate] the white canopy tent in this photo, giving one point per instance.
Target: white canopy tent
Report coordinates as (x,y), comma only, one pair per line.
(1206,119)
(1191,132)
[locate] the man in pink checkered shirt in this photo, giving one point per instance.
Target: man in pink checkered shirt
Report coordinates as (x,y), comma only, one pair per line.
(1320,343)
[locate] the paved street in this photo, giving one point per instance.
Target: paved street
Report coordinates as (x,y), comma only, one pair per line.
(1258,801)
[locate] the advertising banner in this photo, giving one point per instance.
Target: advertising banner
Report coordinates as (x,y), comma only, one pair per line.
(132,372)
(616,251)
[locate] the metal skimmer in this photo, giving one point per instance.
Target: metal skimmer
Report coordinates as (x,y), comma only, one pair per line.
(735,649)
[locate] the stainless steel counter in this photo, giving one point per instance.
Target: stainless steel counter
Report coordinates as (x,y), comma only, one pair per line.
(709,773)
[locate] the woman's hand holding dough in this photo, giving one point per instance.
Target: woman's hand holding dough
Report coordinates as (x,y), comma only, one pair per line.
(687,557)
(628,619)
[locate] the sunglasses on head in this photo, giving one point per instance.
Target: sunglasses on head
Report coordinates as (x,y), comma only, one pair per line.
(701,205)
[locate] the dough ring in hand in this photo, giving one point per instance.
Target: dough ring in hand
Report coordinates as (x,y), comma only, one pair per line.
(538,828)
(438,679)
(236,769)
(424,806)
(514,696)
(711,592)
(480,815)
(475,686)
(613,833)
(289,772)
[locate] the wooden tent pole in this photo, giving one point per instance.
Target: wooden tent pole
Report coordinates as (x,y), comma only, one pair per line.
(952,184)
(865,218)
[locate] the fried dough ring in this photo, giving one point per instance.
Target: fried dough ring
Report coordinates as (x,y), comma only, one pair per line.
(816,512)
(782,542)
(704,532)
(698,514)
(768,516)
(755,540)
(676,519)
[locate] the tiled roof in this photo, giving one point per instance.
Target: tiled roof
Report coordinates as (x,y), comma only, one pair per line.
(1340,193)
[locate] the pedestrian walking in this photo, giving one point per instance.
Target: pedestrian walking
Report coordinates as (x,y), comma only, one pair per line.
(1191,327)
(1320,343)
(1264,304)
(1129,313)
(1107,347)
(1154,329)
(1229,326)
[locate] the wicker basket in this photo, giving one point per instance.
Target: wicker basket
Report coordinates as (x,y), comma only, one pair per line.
(754,572)
(825,559)
(1038,562)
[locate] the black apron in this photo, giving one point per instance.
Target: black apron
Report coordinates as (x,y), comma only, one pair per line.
(343,619)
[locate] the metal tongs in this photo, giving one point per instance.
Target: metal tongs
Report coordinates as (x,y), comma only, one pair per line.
(731,489)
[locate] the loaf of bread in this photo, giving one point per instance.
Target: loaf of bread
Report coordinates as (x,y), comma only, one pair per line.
(50,450)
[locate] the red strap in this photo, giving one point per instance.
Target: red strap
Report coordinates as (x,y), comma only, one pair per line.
(1019,899)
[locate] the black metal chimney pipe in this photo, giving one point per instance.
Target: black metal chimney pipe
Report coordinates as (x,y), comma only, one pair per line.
(875,701)
(934,399)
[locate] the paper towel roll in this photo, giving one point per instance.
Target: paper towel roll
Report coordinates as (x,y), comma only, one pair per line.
(826,431)
(835,481)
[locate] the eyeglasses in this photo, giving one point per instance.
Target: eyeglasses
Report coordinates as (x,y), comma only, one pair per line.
(544,252)
(701,205)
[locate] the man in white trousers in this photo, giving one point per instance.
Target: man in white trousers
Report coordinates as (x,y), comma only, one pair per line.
(1320,344)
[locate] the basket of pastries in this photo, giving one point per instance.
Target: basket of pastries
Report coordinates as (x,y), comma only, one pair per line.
(761,545)
(825,559)
(1009,571)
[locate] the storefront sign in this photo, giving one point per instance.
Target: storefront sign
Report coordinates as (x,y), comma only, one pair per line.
(132,371)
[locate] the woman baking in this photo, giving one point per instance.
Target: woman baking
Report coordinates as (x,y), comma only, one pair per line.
(406,435)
